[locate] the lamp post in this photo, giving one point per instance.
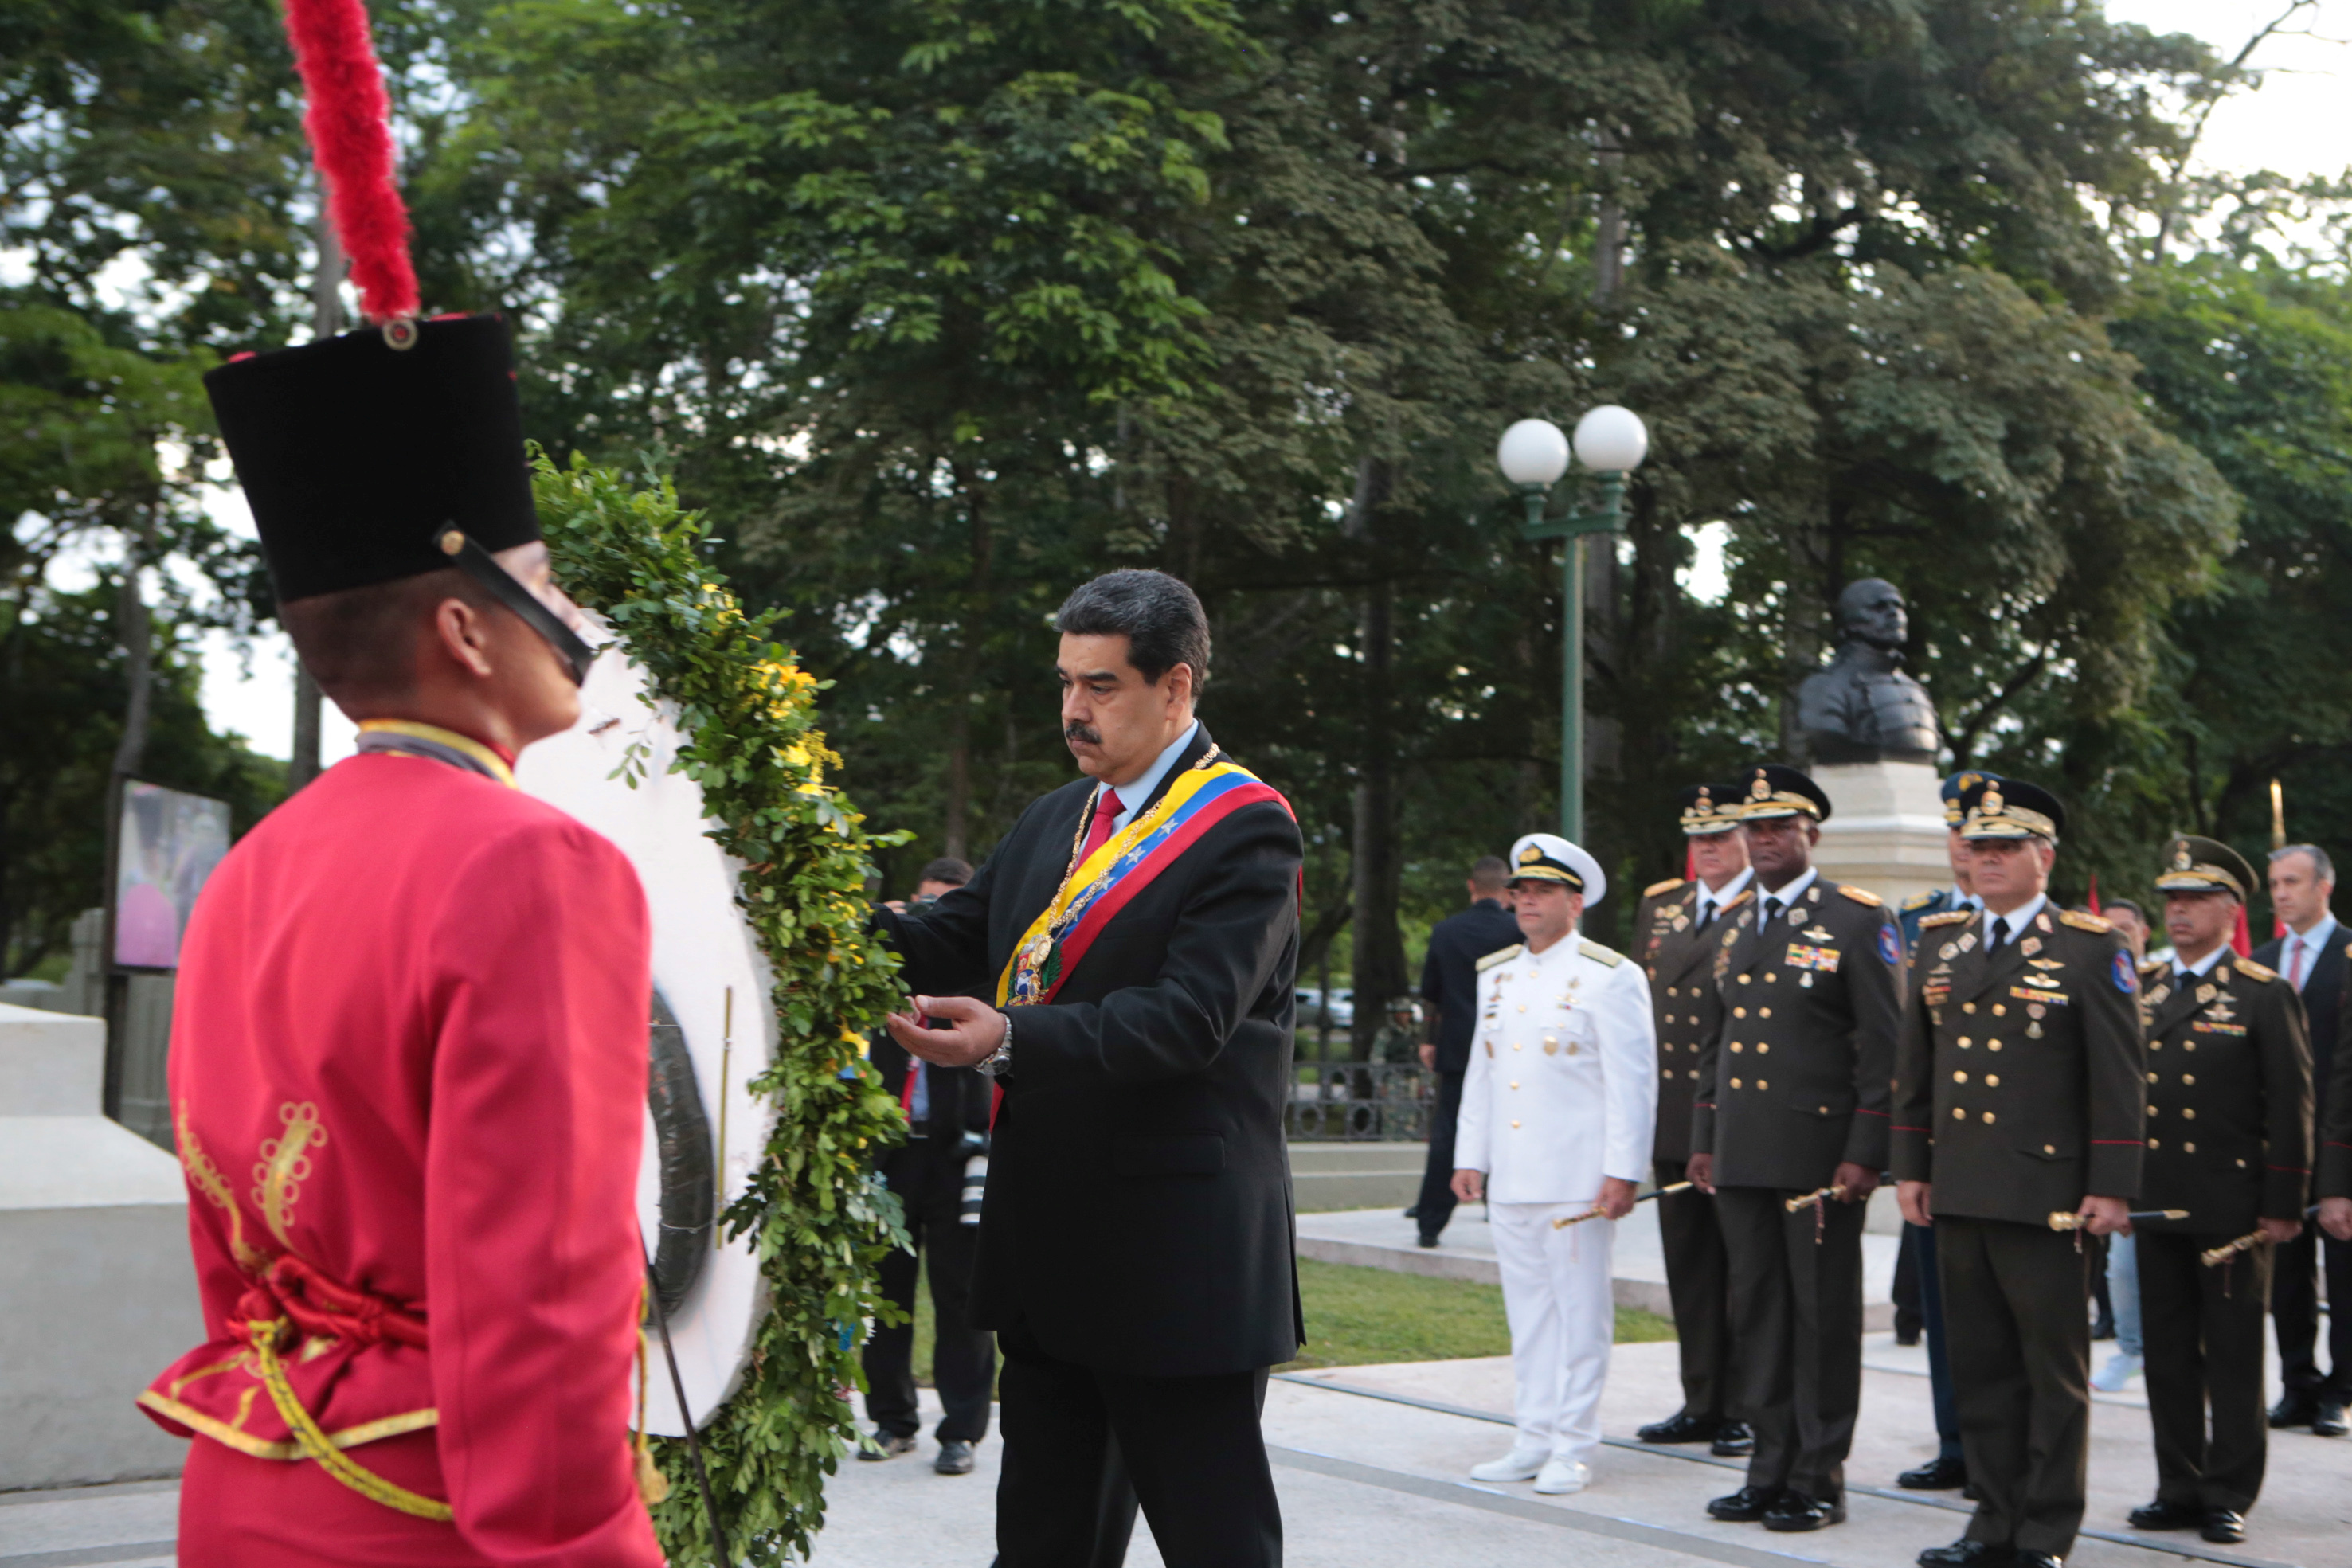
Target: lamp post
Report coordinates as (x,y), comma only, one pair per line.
(1611,441)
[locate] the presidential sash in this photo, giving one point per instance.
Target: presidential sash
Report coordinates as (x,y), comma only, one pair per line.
(1092,892)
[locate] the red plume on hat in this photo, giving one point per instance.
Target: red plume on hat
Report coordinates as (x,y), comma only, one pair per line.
(349,121)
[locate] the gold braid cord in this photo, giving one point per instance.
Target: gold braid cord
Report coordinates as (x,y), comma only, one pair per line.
(313,1442)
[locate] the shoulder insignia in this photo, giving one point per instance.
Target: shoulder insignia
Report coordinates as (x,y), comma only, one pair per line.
(1921,899)
(1949,917)
(1502,955)
(2254,971)
(2082,922)
(1657,888)
(1600,954)
(2153,965)
(1745,894)
(1862,895)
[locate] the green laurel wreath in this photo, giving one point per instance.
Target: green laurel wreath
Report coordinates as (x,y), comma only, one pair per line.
(748,722)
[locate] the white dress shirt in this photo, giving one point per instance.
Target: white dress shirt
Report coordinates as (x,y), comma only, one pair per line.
(2200,969)
(2017,919)
(1135,792)
(2314,942)
(1788,895)
(1711,900)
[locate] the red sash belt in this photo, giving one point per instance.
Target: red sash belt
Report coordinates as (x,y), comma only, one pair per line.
(323,1308)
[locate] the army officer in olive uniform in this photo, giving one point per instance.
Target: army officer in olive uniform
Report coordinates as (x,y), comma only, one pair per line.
(2229,1139)
(1679,923)
(2018,1094)
(1794,1100)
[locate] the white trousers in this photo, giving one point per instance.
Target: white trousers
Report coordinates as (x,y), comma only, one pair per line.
(1563,1319)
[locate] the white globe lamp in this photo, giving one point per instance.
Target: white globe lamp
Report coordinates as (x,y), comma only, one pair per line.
(1609,439)
(1533,452)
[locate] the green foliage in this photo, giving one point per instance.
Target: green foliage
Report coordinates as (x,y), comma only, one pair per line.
(746,714)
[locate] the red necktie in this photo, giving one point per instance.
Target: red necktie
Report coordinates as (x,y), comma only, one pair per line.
(2295,970)
(1106,810)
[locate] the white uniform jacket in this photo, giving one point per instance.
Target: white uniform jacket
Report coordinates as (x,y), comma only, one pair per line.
(1563,1082)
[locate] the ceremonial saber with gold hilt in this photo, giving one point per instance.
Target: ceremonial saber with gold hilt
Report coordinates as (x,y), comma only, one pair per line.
(2220,1255)
(1596,1214)
(2061,1219)
(1836,1190)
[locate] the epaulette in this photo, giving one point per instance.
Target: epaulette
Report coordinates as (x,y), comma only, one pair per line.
(1657,888)
(1949,917)
(1921,899)
(1862,895)
(2082,922)
(1502,955)
(1600,954)
(2254,971)
(2154,965)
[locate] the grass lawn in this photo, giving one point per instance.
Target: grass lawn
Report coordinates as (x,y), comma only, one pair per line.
(1356,1316)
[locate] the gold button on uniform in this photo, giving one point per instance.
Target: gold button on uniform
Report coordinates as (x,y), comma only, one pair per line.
(1513,1123)
(2189,1148)
(1999,1010)
(2154,1143)
(1958,1114)
(1968,1007)
(1763,1012)
(1514,1083)
(1960,1078)
(1740,1012)
(1735,1083)
(1992,1045)
(2188,1079)
(1965,1042)
(2189,1112)
(2049,1148)
(1988,1116)
(2151,1077)
(1761,1085)
(1992,1079)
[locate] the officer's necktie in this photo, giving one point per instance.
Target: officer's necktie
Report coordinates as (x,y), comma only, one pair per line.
(1771,910)
(1705,912)
(1999,934)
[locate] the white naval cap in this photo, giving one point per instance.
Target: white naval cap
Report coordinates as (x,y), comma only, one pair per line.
(1547,857)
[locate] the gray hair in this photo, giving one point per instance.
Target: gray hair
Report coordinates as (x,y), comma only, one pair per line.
(2322,867)
(1161,618)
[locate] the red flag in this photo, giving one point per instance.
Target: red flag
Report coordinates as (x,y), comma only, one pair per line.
(1690,862)
(2095,892)
(2242,943)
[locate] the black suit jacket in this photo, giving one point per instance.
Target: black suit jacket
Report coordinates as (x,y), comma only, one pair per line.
(1138,1212)
(1794,1080)
(2323,1000)
(1679,953)
(1449,975)
(933,1158)
(2019,1082)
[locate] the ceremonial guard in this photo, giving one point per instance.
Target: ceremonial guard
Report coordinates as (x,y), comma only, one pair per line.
(1554,1134)
(408,1056)
(1788,1131)
(1949,1469)
(1678,924)
(2019,1099)
(2229,1142)
(1139,930)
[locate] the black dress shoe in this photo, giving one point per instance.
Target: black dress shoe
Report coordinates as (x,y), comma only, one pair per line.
(1964,1553)
(1941,1473)
(1733,1440)
(2037,1559)
(1424,1242)
(1745,1505)
(955,1457)
(2163,1515)
(1682,1426)
(2327,1421)
(2223,1526)
(2295,1409)
(2104,1328)
(1793,1510)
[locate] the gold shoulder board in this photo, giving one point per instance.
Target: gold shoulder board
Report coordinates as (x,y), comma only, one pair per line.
(1918,901)
(1949,917)
(1502,954)
(2082,922)
(2153,965)
(2254,971)
(1862,895)
(1657,888)
(1598,953)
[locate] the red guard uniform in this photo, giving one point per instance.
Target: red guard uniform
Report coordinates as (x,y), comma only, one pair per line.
(408,1073)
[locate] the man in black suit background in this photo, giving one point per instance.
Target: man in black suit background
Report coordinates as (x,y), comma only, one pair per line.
(1449,985)
(1140,929)
(2311,957)
(946,1125)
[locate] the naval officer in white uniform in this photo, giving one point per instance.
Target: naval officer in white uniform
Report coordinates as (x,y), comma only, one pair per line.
(1557,1112)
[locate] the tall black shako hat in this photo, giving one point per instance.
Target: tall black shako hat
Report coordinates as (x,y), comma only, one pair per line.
(1777,789)
(2010,809)
(437,397)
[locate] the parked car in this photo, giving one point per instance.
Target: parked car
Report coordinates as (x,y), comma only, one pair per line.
(1311,1011)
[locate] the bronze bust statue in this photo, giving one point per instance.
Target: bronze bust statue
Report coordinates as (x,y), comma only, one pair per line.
(1861,708)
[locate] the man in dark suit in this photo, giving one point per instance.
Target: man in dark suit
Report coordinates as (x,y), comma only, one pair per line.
(1139,932)
(947,1128)
(1449,985)
(2018,1095)
(2311,956)
(2229,1123)
(1794,1102)
(1678,925)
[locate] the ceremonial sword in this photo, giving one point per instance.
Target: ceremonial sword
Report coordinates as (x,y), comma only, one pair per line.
(2246,1243)
(2062,1220)
(1596,1214)
(686,1416)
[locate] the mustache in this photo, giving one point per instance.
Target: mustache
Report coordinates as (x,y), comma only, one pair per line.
(1085,732)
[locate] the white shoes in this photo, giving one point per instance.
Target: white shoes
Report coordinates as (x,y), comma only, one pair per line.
(2121,1368)
(1563,1476)
(1518,1465)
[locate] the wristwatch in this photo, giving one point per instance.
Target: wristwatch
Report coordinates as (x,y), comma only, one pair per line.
(999,1060)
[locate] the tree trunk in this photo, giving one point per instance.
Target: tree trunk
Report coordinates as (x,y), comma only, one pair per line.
(1380,977)
(1808,613)
(133,628)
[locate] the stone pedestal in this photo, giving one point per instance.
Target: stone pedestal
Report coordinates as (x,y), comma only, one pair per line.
(97,1292)
(1885,831)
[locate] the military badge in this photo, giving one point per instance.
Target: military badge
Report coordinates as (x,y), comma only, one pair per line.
(1805,956)
(2126,981)
(1968,941)
(1948,951)
(1889,949)
(2030,947)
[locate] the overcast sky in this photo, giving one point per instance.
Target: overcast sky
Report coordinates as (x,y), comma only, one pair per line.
(2296,124)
